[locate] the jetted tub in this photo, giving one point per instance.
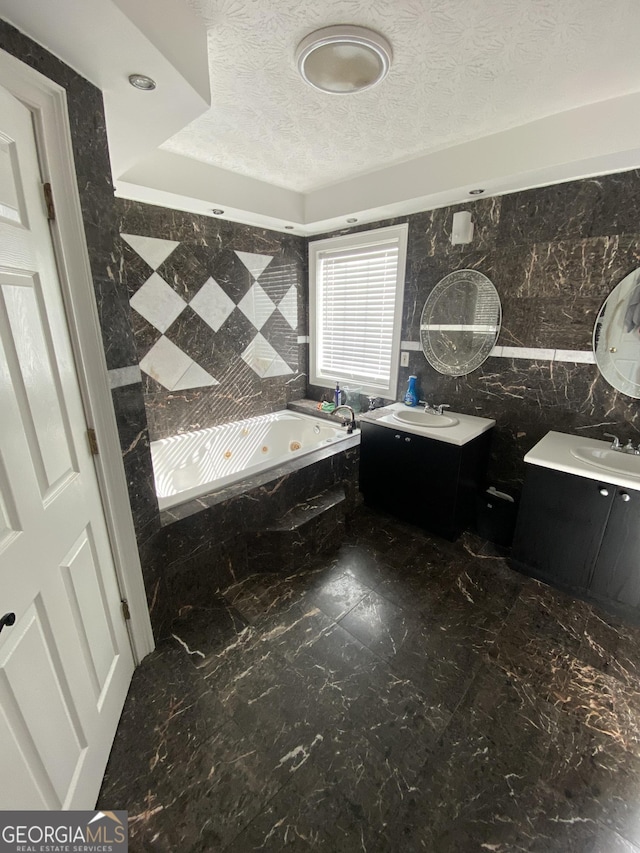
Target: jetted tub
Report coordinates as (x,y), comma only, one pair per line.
(196,463)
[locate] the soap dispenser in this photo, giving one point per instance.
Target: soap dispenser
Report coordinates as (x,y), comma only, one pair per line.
(411,397)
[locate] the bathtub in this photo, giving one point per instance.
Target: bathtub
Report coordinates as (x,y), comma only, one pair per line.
(196,463)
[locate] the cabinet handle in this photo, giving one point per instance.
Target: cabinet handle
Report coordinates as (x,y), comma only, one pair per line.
(408,439)
(625,496)
(604,492)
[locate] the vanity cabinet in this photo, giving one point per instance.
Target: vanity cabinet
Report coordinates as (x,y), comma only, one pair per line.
(422,480)
(580,534)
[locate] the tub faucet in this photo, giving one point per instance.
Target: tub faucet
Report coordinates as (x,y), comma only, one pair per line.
(352,424)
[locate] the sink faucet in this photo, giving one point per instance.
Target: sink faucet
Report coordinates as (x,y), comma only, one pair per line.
(615,444)
(352,424)
(629,448)
(440,408)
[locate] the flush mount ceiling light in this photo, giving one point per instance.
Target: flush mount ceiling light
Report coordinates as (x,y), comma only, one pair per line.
(141,81)
(343,59)
(217,211)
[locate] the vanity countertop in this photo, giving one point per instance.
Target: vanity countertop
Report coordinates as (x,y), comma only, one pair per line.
(586,457)
(467,428)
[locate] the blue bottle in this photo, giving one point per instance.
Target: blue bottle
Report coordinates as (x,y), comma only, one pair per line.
(411,397)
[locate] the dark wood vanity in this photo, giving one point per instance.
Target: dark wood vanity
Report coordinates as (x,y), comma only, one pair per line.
(423,480)
(581,535)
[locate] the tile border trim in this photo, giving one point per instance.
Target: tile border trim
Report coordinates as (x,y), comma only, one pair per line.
(532,353)
(121,376)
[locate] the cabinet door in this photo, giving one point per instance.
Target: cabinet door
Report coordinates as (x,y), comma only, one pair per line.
(412,477)
(387,476)
(616,576)
(560,526)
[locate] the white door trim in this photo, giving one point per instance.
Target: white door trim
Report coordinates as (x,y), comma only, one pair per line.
(48,104)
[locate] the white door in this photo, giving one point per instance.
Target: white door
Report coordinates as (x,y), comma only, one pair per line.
(66,662)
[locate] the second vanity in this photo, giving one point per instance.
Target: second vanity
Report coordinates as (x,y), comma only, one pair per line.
(423,468)
(579,520)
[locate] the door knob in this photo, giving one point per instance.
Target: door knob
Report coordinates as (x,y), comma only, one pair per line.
(625,496)
(8,619)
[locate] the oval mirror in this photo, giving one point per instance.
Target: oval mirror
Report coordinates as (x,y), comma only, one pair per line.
(616,336)
(460,322)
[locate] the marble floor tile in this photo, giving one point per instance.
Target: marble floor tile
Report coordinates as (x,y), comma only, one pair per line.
(403,694)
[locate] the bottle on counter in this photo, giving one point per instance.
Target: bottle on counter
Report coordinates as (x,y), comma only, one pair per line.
(411,397)
(337,396)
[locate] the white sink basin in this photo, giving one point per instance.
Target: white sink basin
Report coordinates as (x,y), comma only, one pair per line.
(425,419)
(609,460)
(454,428)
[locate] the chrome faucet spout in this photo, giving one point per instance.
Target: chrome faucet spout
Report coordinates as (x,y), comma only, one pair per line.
(352,424)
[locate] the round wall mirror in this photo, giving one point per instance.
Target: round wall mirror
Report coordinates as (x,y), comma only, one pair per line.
(616,336)
(460,322)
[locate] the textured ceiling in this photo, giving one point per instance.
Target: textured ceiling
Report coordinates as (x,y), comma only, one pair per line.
(462,69)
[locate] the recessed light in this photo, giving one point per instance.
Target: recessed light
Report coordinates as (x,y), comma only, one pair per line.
(217,211)
(141,81)
(289,227)
(476,192)
(352,219)
(344,59)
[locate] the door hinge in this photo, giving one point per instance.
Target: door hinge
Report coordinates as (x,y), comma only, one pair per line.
(93,441)
(125,609)
(48,200)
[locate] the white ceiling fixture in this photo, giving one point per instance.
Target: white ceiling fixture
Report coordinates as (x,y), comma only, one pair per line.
(343,60)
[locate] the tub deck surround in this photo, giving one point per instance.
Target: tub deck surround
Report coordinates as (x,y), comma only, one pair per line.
(197,463)
(407,694)
(206,544)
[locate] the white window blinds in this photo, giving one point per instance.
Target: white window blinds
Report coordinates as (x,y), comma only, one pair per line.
(358,300)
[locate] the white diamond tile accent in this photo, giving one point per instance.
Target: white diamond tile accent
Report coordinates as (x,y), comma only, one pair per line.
(166,363)
(256,264)
(263,359)
(158,303)
(288,306)
(257,306)
(194,377)
(152,250)
(212,304)
(278,367)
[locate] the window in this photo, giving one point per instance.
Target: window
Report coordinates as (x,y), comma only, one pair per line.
(356,292)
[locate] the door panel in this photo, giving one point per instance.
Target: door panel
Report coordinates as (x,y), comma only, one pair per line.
(33,373)
(81,575)
(66,664)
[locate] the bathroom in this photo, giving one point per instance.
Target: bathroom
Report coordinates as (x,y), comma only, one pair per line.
(553,253)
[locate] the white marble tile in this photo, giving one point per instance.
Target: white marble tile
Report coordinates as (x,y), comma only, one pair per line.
(212,304)
(414,346)
(288,306)
(256,264)
(263,359)
(121,376)
(158,303)
(496,352)
(575,356)
(166,363)
(152,250)
(532,353)
(194,377)
(257,306)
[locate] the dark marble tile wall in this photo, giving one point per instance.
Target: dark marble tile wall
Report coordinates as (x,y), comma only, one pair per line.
(554,254)
(207,249)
